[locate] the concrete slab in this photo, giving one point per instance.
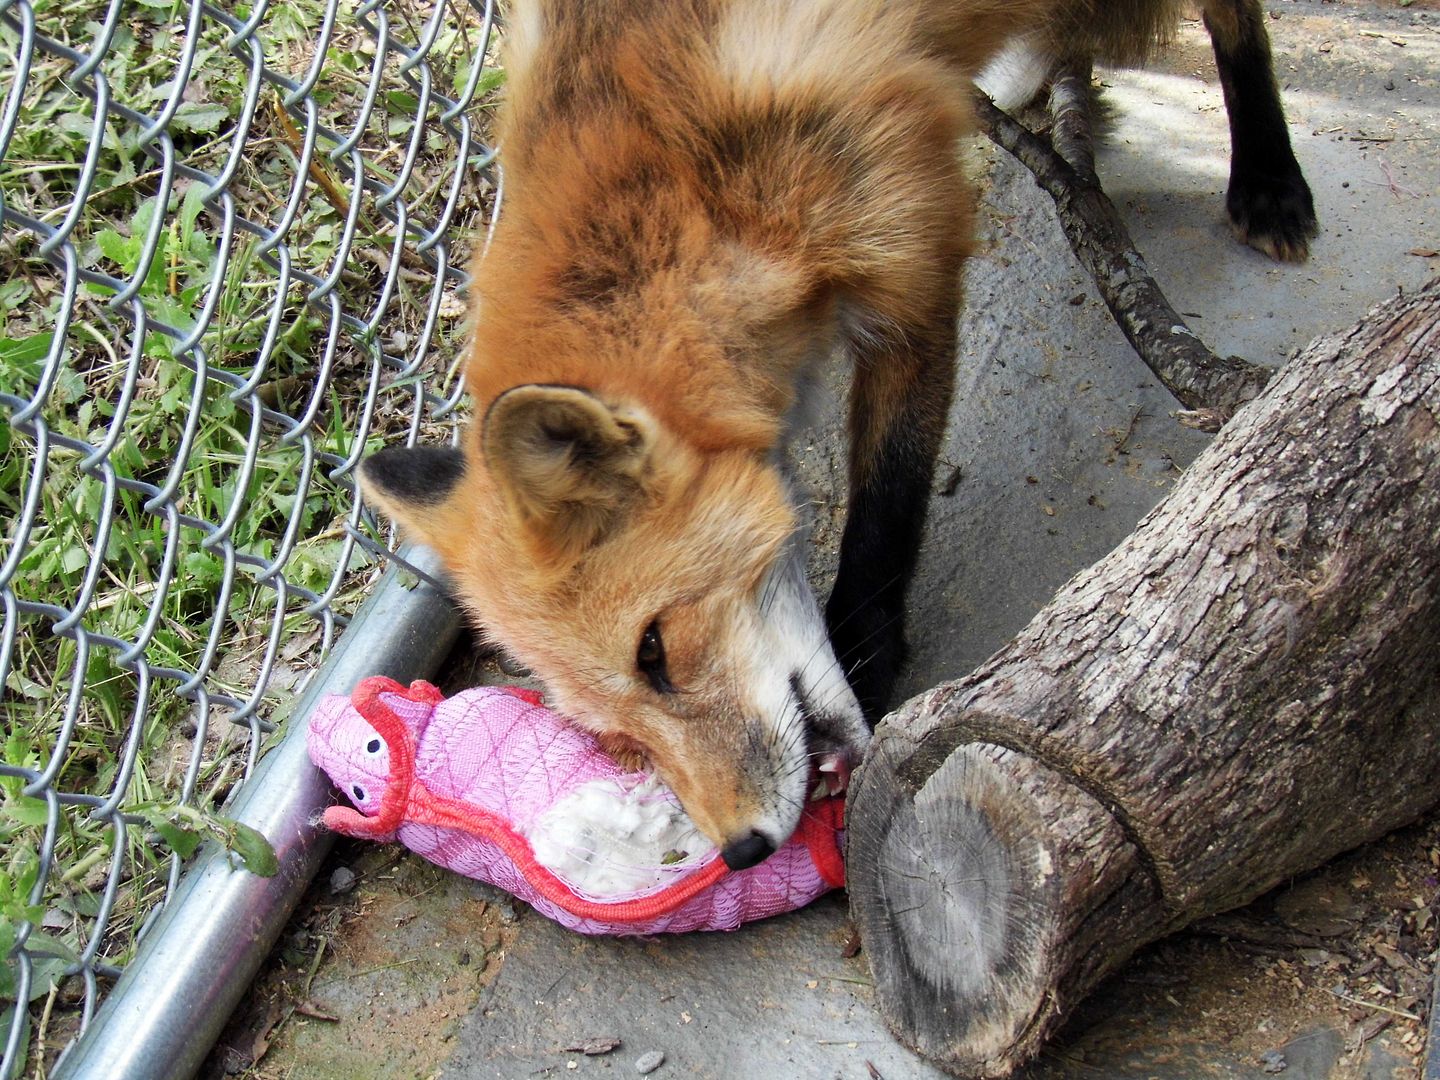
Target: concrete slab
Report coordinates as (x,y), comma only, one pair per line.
(776,999)
(1060,440)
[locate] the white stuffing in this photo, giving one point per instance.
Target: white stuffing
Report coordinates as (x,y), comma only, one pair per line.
(608,840)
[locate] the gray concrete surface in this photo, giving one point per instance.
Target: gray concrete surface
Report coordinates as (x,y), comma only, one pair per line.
(1061,440)
(773,1000)
(1048,387)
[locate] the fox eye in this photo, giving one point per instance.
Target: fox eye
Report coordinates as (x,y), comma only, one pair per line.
(650,660)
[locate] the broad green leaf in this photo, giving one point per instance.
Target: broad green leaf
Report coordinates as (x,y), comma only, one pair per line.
(181,840)
(74,123)
(121,250)
(491,79)
(46,972)
(20,362)
(40,944)
(7,971)
(27,811)
(15,292)
(254,850)
(190,210)
(199,117)
(74,558)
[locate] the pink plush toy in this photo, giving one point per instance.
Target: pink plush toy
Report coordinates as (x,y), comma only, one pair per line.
(493,785)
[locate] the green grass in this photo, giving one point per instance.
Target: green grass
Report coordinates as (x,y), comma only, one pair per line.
(259,502)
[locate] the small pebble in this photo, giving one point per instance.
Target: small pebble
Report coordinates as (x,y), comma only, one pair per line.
(648,1063)
(1273,1061)
(342,880)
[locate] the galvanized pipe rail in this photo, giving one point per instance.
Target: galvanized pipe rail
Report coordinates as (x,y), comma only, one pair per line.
(198,959)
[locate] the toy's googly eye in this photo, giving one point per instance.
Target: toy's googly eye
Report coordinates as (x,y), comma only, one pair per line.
(358,792)
(373,746)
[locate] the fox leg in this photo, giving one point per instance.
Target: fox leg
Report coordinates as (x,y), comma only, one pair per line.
(904,378)
(1268,199)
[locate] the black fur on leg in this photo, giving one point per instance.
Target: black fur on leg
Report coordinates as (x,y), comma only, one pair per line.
(898,409)
(867,628)
(1268,199)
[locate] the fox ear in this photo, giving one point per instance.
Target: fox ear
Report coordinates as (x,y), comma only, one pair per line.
(409,484)
(568,463)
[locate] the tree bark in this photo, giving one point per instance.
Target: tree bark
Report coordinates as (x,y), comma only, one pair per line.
(1212,387)
(1245,687)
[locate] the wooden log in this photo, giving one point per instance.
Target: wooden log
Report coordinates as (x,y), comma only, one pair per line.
(1247,686)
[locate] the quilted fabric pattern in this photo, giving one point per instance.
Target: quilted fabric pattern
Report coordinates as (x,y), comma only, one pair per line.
(494,750)
(463,780)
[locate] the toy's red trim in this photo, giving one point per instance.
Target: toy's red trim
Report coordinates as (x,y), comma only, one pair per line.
(530,697)
(404,801)
(819,824)
(401,744)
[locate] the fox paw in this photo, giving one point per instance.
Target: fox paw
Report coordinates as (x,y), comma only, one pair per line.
(1273,213)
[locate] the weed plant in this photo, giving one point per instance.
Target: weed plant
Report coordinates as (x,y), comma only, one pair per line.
(152,638)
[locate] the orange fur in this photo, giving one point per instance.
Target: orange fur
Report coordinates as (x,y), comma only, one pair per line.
(705,198)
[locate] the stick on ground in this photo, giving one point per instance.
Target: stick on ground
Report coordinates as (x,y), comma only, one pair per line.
(1212,386)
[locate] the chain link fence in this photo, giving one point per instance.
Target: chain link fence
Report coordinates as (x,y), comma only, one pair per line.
(231,268)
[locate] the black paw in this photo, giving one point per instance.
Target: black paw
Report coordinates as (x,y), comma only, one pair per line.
(1273,213)
(870,645)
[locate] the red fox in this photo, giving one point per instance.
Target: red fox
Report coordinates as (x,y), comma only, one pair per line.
(706,200)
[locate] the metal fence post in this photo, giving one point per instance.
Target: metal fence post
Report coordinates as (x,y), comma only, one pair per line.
(197,961)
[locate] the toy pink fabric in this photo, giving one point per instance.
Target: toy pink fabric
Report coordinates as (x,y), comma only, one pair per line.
(493,785)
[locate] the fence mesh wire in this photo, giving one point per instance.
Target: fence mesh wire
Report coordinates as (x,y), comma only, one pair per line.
(232,241)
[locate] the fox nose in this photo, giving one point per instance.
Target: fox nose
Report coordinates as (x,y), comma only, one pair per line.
(746,852)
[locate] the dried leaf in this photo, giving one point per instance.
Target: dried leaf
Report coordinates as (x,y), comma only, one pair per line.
(260,1045)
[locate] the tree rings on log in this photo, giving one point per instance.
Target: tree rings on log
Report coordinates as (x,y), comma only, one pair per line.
(975,874)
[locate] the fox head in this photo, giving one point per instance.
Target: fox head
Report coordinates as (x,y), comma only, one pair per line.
(656,588)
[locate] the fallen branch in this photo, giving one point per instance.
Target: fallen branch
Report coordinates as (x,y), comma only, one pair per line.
(1213,387)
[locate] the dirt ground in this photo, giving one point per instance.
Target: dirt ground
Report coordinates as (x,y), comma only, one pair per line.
(1335,965)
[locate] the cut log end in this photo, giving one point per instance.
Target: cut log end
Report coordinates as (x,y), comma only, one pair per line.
(966,895)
